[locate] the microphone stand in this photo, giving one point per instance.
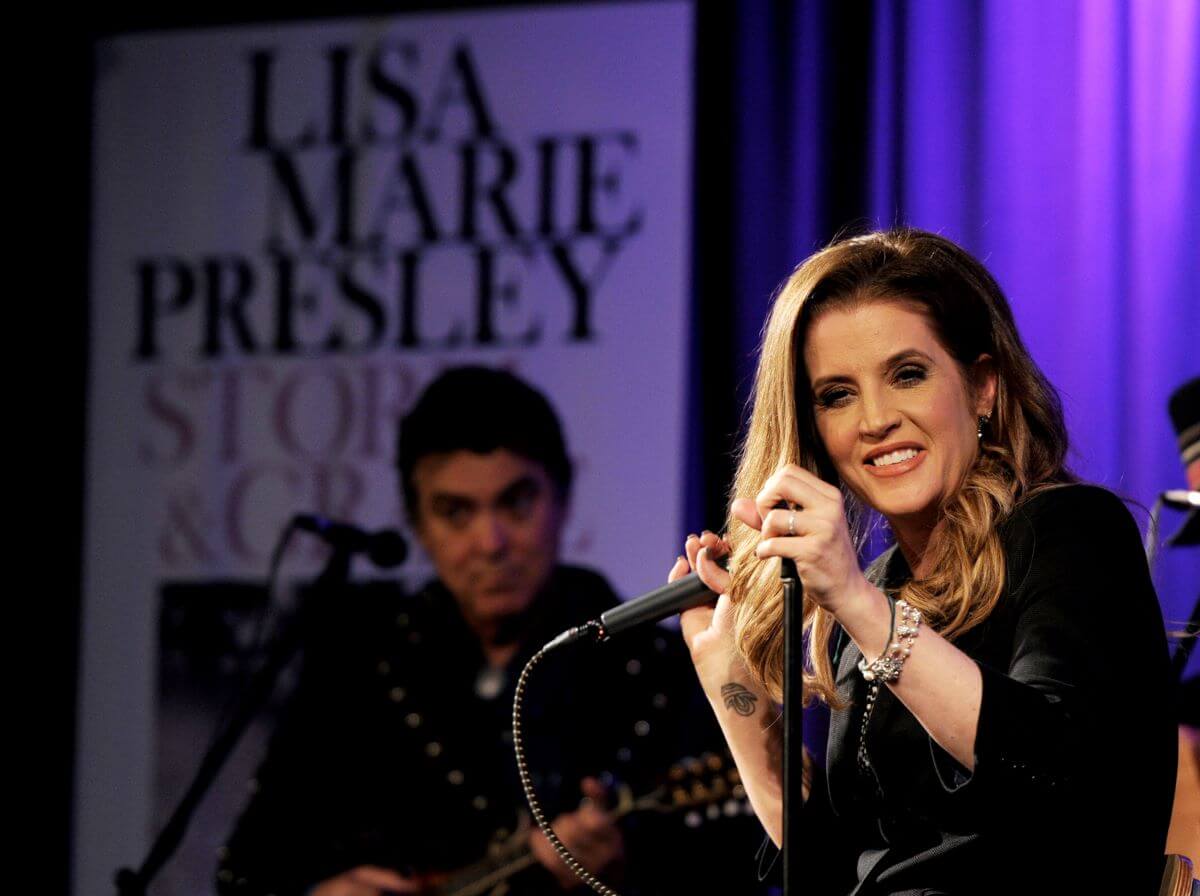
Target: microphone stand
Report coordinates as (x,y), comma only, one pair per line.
(793,723)
(258,689)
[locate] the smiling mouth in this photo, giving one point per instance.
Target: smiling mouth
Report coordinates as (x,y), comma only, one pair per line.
(895,463)
(893,457)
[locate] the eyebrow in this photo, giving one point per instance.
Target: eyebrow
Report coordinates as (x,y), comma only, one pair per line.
(522,486)
(511,490)
(450,499)
(907,354)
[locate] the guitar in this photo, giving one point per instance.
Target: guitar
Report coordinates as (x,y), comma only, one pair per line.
(705,787)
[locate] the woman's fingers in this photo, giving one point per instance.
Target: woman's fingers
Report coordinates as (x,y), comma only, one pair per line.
(701,555)
(747,511)
(791,523)
(704,552)
(782,521)
(788,486)
(710,572)
(710,541)
(679,570)
(801,535)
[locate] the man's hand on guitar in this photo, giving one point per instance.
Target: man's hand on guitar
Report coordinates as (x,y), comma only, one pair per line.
(366,880)
(590,833)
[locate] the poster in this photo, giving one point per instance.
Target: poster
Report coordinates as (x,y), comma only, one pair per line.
(295,227)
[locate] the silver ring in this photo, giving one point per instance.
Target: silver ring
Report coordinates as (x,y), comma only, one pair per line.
(792,524)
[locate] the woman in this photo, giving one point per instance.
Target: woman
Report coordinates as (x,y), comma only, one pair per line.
(998,679)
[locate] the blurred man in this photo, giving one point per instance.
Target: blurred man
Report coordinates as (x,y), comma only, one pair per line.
(1183,836)
(393,772)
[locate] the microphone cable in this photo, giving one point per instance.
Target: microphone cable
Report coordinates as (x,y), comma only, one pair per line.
(596,632)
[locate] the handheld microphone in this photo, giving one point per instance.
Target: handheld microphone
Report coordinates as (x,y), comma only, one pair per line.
(672,598)
(385,548)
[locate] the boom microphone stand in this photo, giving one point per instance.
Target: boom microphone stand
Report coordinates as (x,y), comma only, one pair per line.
(287,641)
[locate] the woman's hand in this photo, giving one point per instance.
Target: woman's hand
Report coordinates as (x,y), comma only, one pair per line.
(814,534)
(708,630)
(744,711)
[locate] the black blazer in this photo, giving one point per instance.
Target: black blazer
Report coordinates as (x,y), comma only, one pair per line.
(1075,752)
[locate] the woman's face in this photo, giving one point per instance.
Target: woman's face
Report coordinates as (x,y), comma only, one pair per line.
(893,409)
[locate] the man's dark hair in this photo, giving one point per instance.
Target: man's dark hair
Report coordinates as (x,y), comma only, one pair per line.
(481,410)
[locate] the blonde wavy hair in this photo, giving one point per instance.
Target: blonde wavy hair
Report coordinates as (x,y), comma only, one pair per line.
(1023,448)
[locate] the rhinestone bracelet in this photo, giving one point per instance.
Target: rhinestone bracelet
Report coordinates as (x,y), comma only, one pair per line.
(887,668)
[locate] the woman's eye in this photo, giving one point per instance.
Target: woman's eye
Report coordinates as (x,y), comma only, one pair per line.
(833,398)
(910,375)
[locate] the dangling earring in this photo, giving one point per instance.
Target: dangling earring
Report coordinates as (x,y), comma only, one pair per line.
(983,421)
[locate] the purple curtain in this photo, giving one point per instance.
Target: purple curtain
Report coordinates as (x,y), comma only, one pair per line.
(1060,142)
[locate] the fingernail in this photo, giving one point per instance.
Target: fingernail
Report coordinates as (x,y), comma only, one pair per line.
(690,537)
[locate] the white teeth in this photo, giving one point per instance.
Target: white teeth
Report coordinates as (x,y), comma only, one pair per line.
(895,457)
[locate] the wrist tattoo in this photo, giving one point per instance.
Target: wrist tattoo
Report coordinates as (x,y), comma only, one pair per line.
(738,698)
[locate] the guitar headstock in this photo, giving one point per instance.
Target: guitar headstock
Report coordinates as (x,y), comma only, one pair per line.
(707,786)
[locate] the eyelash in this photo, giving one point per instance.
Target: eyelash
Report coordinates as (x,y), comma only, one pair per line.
(833,398)
(906,377)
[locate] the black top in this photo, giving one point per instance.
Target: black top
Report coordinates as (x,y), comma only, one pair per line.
(1075,751)
(397,751)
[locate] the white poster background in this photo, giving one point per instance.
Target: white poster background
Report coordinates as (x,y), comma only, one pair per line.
(197,456)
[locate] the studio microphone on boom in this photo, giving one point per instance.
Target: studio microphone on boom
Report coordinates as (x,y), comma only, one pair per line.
(385,548)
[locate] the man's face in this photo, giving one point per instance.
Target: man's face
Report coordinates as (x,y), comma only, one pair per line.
(491,524)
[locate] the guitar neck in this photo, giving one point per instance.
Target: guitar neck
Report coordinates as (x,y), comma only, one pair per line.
(478,879)
(691,784)
(481,877)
